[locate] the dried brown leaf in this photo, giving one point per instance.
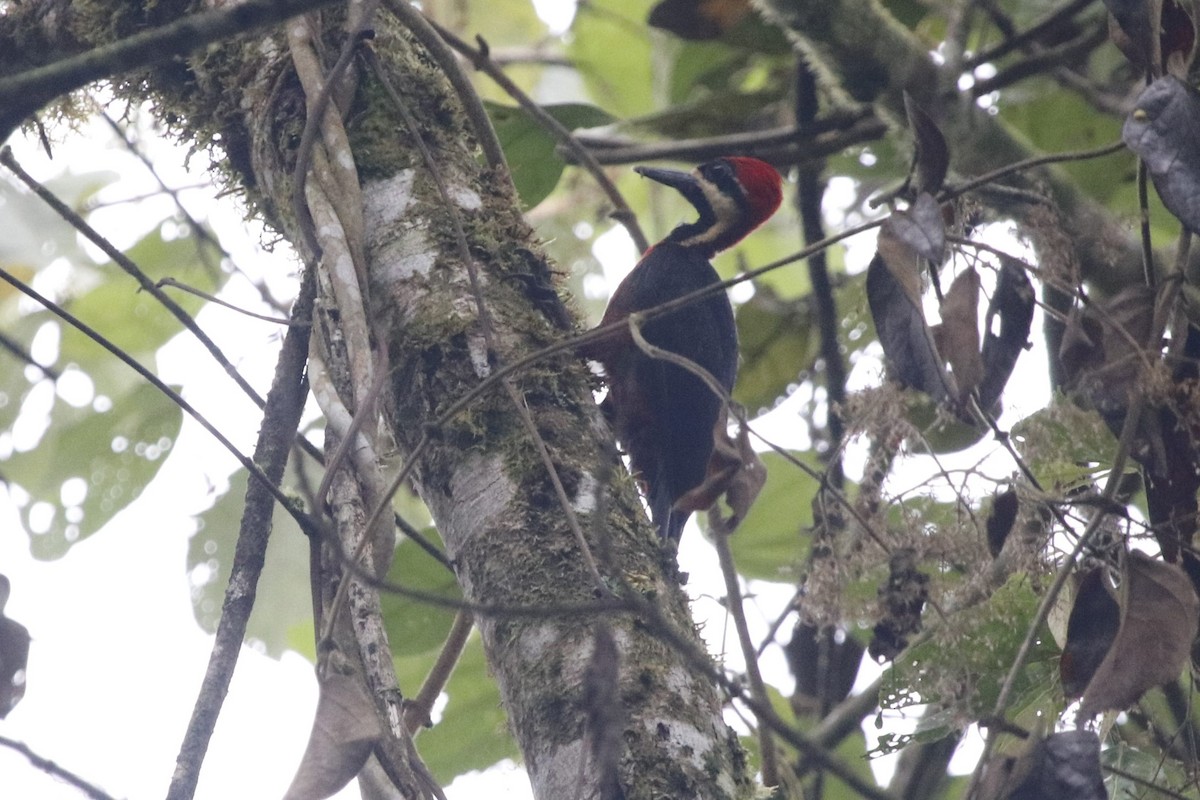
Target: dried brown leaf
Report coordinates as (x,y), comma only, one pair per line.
(907,341)
(734,470)
(957,337)
(1012,305)
(1000,522)
(1064,765)
(345,731)
(1091,629)
(14,656)
(933,155)
(1159,616)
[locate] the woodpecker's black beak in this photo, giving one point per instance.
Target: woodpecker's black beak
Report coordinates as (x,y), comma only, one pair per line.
(685,183)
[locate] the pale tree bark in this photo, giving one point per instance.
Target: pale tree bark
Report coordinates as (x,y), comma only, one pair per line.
(392,275)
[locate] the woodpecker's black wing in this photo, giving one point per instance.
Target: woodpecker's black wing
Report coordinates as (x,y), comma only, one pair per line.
(663,414)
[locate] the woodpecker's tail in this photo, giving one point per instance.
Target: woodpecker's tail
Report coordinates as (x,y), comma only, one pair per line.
(668,520)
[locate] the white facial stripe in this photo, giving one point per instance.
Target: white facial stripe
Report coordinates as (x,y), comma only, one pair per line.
(724,208)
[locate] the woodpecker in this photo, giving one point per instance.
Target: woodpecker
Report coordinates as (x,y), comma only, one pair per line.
(662,414)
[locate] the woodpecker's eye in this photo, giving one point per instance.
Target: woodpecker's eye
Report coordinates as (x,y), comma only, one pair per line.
(716,170)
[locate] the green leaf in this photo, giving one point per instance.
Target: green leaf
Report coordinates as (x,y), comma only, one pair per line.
(705,65)
(1064,445)
(131,318)
(531,149)
(413,626)
(473,731)
(115,453)
(773,538)
(1060,120)
(951,669)
(282,614)
(778,341)
(611,47)
(34,234)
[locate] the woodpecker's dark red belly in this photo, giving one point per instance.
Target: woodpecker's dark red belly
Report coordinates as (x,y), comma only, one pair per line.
(662,414)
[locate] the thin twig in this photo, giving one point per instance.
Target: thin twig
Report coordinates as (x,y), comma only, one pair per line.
(1046,23)
(281,418)
(420,706)
(202,234)
(433,42)
(91,333)
(212,298)
(1029,163)
(621,213)
(1143,193)
(54,770)
(780,146)
(758,689)
(19,351)
(133,270)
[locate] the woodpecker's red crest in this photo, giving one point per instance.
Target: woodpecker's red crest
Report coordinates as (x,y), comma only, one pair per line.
(733,196)
(663,414)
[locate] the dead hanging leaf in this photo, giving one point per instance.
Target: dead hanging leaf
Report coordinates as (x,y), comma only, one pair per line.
(734,470)
(1132,30)
(1172,465)
(1102,351)
(1177,38)
(1161,130)
(1063,765)
(957,336)
(345,731)
(1012,304)
(907,342)
(698,19)
(1132,26)
(1001,520)
(1191,567)
(14,656)
(1159,616)
(921,228)
(1091,629)
(824,667)
(902,600)
(932,155)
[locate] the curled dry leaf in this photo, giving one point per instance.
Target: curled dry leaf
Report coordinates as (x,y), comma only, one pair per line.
(698,20)
(907,342)
(14,655)
(920,228)
(1091,629)
(1000,522)
(1159,616)
(1132,30)
(1132,24)
(1063,765)
(1011,306)
(344,733)
(1102,350)
(932,154)
(824,668)
(957,336)
(1162,131)
(734,470)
